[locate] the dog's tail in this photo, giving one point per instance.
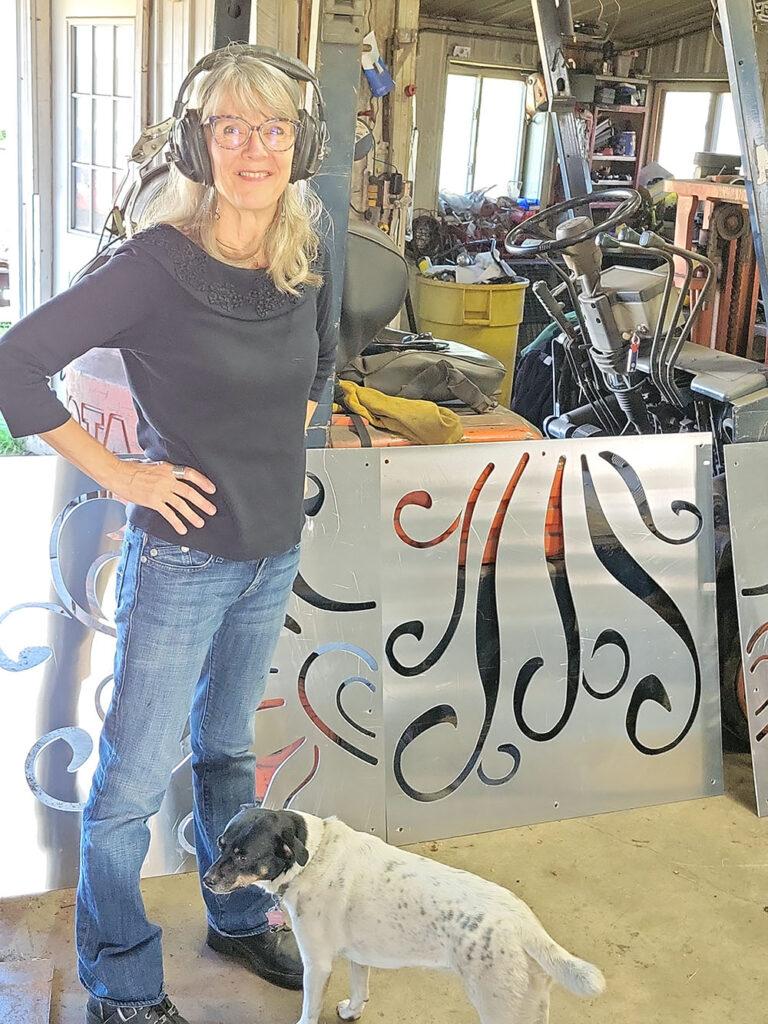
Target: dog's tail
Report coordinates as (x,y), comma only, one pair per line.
(578,976)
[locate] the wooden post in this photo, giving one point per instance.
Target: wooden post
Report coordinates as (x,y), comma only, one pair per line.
(403,103)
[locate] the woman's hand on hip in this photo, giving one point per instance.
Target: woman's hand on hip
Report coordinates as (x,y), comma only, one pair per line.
(155,485)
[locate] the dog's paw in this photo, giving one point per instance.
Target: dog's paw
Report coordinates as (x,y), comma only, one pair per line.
(346,1013)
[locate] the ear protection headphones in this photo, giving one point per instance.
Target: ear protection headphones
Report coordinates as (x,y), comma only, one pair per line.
(187,147)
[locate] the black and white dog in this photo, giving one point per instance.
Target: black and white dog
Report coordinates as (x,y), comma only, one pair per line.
(351,895)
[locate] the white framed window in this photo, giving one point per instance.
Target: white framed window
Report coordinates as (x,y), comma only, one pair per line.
(483,131)
(691,119)
(101,76)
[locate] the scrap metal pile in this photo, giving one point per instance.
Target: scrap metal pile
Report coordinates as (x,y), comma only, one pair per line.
(464,240)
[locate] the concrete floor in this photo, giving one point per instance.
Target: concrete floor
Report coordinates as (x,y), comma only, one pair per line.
(671,902)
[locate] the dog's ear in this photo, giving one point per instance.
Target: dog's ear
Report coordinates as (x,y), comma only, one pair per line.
(293,848)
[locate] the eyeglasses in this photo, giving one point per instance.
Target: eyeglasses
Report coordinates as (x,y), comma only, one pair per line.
(276,133)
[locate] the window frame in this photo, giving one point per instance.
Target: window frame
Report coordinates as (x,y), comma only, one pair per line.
(715,88)
(481,71)
(72,24)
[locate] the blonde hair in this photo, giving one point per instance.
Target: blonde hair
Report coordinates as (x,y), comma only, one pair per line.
(291,242)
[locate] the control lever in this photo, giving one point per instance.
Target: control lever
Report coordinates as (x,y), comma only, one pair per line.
(627,234)
(554,308)
(649,239)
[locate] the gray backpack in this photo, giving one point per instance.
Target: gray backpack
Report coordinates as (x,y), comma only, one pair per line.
(438,371)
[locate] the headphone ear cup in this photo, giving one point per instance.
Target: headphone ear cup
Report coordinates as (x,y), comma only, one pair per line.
(188,149)
(309,149)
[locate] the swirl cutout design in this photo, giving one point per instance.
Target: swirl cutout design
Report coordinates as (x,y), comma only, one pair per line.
(421,499)
(304,592)
(514,753)
(313,503)
(557,567)
(306,781)
(91,617)
(101,711)
(81,746)
(415,628)
(609,637)
(344,714)
(187,845)
(633,578)
(488,655)
(29,657)
(637,492)
(311,712)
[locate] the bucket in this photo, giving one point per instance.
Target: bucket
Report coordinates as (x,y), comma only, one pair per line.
(486,317)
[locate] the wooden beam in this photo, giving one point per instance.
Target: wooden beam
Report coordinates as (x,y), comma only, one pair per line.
(402,109)
(305,25)
(477,28)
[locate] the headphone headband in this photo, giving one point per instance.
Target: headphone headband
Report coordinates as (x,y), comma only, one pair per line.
(290,66)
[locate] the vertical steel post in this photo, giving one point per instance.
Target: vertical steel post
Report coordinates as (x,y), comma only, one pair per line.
(736,19)
(553,25)
(339,48)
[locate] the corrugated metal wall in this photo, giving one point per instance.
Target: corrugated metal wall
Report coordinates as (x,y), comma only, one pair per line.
(695,56)
(630,22)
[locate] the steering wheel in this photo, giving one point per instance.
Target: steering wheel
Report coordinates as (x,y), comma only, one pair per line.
(541,235)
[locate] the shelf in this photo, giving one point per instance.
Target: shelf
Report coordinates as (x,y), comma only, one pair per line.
(613,159)
(623,81)
(621,109)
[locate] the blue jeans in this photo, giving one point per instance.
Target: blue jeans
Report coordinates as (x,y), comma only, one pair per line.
(195,637)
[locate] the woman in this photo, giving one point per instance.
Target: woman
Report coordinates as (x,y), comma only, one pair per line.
(221,311)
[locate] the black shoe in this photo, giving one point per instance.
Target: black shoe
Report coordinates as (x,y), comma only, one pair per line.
(161,1013)
(273,955)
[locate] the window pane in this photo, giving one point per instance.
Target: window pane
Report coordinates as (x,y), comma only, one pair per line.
(83,53)
(497,158)
(102,197)
(102,132)
(104,36)
(726,138)
(81,218)
(124,62)
(83,128)
(457,133)
(683,131)
(124,139)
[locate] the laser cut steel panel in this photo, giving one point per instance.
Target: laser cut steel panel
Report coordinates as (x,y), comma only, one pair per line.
(325,741)
(59,540)
(538,675)
(746,472)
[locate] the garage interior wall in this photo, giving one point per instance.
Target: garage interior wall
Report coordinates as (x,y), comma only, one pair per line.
(434,48)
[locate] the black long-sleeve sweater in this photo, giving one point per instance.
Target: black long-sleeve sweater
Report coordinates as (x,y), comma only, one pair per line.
(220,365)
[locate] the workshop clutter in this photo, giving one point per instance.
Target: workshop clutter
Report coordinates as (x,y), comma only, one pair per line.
(464,241)
(466,290)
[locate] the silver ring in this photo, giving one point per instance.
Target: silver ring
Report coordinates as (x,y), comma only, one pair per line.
(179,471)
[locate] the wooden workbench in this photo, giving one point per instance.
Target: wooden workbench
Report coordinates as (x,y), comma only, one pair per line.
(728,322)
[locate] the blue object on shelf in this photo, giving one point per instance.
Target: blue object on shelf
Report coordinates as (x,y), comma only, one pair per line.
(379,79)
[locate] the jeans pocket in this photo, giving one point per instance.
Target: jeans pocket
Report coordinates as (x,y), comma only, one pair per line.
(175,556)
